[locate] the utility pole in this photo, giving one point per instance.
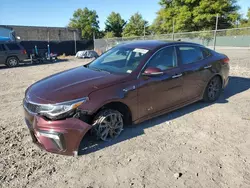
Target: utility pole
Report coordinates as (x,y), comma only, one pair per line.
(173,30)
(215,31)
(75,41)
(144,31)
(48,35)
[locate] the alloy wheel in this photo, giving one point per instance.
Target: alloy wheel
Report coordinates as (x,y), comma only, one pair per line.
(13,62)
(108,126)
(214,88)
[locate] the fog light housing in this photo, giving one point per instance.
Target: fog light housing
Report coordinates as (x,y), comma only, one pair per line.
(55,137)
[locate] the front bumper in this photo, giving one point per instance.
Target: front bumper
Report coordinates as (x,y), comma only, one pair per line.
(61,136)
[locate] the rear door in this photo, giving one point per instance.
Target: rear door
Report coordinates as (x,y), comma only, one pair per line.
(14,49)
(196,70)
(2,54)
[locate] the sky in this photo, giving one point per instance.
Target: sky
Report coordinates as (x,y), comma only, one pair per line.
(57,13)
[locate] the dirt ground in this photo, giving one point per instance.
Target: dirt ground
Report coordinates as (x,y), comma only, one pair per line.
(207,144)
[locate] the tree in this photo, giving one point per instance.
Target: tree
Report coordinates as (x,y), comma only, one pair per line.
(109,35)
(248,14)
(115,24)
(135,26)
(99,34)
(87,21)
(246,22)
(195,15)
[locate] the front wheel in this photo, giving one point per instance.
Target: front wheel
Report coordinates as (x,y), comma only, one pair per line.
(213,90)
(107,124)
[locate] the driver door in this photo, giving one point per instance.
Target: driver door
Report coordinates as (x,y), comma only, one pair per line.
(157,93)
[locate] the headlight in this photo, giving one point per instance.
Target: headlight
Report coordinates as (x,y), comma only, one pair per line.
(60,110)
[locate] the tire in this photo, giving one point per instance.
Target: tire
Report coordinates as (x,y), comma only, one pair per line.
(12,62)
(213,90)
(107,124)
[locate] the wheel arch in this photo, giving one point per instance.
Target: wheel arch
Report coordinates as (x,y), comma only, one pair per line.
(6,60)
(119,106)
(218,75)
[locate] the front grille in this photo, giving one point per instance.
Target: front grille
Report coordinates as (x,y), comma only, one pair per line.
(31,107)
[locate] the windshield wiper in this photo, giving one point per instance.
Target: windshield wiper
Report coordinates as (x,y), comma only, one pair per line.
(97,69)
(104,71)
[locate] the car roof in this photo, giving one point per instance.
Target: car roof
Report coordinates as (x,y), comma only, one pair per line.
(152,44)
(8,42)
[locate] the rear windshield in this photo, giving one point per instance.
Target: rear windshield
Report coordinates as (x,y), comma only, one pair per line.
(13,46)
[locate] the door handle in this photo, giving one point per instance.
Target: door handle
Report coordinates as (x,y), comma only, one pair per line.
(177,76)
(129,89)
(208,66)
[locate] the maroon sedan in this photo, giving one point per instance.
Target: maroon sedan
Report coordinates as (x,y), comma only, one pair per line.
(128,84)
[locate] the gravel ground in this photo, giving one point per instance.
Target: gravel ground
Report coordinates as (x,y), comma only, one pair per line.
(200,145)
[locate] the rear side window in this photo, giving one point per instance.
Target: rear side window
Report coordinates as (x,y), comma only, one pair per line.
(206,52)
(2,47)
(190,54)
(13,46)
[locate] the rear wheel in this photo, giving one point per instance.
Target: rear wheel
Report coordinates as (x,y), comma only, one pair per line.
(12,62)
(107,124)
(213,90)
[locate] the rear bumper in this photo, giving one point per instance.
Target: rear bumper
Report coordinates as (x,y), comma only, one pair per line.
(225,75)
(22,57)
(61,137)
(226,82)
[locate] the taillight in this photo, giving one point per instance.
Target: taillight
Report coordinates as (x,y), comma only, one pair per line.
(225,60)
(24,52)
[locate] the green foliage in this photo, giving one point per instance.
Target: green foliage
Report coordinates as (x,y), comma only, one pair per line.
(246,22)
(99,34)
(206,37)
(135,26)
(195,15)
(109,35)
(248,14)
(114,24)
(87,21)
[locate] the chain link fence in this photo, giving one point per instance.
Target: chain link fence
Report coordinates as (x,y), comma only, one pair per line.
(237,37)
(59,40)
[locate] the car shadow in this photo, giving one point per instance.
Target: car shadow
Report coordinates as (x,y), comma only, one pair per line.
(28,63)
(89,144)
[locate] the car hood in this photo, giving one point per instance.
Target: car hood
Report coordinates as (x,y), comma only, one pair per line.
(69,85)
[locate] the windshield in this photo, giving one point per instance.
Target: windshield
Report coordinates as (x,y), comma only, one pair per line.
(119,60)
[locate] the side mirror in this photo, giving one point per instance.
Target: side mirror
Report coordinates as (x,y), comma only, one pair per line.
(152,71)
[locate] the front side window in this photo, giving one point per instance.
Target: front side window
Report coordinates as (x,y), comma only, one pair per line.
(190,54)
(119,60)
(164,59)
